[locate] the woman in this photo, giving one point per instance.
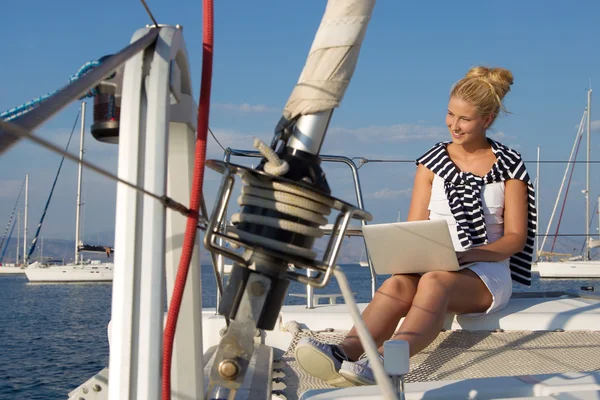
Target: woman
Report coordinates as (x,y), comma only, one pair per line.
(481,188)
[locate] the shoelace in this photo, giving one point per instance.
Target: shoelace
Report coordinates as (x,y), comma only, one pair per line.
(363,359)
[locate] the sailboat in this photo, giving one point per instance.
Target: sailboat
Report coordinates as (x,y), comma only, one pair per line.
(78,271)
(567,265)
(541,345)
(363,262)
(16,268)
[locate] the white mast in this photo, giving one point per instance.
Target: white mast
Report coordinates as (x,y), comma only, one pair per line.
(537,206)
(78,212)
(587,180)
(25,219)
(562,184)
(18,235)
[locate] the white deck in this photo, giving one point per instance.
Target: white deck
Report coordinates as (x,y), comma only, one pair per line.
(526,323)
(522,314)
(572,386)
(498,356)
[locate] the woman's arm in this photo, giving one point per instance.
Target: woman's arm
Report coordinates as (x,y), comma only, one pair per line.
(421,194)
(515,228)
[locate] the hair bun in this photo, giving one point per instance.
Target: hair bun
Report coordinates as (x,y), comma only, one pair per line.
(499,78)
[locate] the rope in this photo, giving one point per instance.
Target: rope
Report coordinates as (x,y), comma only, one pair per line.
(26,107)
(274,166)
(292,200)
(196,198)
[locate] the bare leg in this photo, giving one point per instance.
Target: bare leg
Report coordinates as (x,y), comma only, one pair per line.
(390,303)
(437,293)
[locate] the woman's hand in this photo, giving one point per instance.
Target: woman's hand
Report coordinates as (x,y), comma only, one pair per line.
(463,257)
(469,256)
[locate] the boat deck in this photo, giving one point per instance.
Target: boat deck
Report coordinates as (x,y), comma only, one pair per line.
(459,355)
(504,354)
(536,334)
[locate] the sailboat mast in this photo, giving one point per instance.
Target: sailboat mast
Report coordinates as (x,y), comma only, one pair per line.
(25,219)
(79,178)
(587,180)
(537,206)
(18,235)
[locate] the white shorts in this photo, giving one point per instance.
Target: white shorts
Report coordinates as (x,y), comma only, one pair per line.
(496,276)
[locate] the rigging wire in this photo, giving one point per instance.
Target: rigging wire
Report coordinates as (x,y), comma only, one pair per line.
(9,236)
(216,140)
(397,160)
(17,130)
(150,13)
(39,227)
(566,195)
(12,214)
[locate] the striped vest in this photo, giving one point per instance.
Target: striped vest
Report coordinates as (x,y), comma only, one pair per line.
(463,190)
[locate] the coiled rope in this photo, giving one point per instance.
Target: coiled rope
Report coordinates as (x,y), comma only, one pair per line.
(285,198)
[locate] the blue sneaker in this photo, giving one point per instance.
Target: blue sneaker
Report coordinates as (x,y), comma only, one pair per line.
(321,360)
(358,373)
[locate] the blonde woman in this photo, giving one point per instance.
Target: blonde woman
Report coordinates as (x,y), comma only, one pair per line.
(482,189)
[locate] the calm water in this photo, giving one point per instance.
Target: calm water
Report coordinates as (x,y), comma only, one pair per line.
(53,337)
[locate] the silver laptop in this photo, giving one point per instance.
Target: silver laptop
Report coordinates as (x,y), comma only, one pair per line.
(411,247)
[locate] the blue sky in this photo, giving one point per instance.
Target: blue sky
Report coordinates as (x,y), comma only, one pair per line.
(394,108)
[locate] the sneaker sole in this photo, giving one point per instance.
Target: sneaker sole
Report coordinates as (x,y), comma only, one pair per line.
(318,364)
(356,379)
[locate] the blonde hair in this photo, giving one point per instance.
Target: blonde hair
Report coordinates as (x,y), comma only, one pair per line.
(485,88)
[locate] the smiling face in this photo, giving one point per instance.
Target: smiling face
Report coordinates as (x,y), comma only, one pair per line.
(465,124)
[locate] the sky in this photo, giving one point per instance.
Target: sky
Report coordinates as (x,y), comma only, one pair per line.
(394,107)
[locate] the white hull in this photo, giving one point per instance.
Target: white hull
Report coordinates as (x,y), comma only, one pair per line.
(569,269)
(11,270)
(71,273)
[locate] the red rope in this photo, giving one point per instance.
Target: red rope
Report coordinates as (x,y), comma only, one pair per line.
(195,197)
(562,209)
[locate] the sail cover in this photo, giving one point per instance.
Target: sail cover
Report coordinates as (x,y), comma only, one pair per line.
(95,248)
(332,58)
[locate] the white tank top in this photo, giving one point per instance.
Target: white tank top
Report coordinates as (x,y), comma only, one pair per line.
(493,210)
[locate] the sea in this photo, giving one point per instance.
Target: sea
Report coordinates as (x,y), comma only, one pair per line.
(53,337)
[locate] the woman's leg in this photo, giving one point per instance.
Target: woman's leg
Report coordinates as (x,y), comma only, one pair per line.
(390,303)
(437,293)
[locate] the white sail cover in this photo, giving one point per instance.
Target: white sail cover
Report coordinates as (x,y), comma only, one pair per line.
(593,243)
(332,58)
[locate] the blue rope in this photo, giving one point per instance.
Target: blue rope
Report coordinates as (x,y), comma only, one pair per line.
(26,107)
